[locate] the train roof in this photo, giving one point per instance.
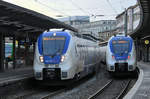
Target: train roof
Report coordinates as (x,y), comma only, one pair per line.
(66,32)
(54,33)
(120,37)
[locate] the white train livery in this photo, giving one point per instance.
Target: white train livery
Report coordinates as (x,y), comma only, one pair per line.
(62,56)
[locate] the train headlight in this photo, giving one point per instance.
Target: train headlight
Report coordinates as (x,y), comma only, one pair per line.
(62,58)
(41,59)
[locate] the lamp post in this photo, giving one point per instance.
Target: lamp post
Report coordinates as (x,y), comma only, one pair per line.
(125,24)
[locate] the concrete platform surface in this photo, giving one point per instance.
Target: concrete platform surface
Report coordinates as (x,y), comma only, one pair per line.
(13,76)
(141,90)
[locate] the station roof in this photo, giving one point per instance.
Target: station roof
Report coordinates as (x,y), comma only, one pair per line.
(20,21)
(143,29)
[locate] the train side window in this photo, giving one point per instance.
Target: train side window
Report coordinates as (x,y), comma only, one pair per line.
(76,49)
(81,53)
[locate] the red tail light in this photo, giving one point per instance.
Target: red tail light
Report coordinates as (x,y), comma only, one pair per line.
(128,56)
(113,56)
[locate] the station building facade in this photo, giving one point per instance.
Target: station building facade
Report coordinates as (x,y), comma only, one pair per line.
(97,28)
(133,15)
(105,35)
(75,20)
(83,24)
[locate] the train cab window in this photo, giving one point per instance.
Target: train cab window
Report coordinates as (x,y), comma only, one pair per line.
(121,46)
(53,45)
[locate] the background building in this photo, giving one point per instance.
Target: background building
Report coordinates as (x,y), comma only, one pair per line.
(105,35)
(75,20)
(96,27)
(133,19)
(83,24)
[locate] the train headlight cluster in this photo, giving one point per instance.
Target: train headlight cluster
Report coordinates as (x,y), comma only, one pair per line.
(62,58)
(41,59)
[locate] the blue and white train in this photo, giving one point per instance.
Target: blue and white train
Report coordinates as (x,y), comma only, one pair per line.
(119,54)
(62,56)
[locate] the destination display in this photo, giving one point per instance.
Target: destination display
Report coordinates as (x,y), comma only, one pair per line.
(114,42)
(53,38)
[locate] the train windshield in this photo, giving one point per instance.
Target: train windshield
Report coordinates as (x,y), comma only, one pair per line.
(53,45)
(120,47)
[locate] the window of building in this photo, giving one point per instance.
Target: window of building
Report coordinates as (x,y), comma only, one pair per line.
(106,28)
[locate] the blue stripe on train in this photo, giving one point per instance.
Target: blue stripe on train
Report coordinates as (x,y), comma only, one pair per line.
(40,44)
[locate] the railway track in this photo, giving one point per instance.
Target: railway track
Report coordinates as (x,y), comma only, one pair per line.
(27,94)
(124,90)
(44,92)
(52,94)
(39,94)
(114,89)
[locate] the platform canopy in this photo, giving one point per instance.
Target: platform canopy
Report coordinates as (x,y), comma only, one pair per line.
(18,21)
(143,29)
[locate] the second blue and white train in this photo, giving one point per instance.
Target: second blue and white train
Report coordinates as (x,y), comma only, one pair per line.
(119,54)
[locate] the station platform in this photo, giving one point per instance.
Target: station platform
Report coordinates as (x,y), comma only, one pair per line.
(141,89)
(13,76)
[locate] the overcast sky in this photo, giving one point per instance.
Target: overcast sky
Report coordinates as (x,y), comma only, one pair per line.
(55,8)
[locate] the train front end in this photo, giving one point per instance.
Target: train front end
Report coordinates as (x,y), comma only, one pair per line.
(51,49)
(121,55)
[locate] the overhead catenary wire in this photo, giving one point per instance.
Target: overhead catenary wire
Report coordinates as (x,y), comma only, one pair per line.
(81,9)
(122,5)
(87,11)
(63,14)
(112,7)
(51,8)
(59,11)
(126,5)
(38,1)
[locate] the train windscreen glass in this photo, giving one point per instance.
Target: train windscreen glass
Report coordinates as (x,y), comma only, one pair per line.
(120,46)
(53,45)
